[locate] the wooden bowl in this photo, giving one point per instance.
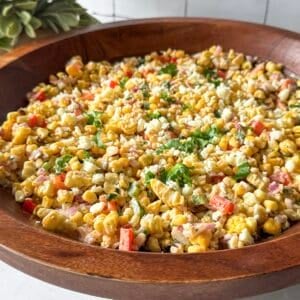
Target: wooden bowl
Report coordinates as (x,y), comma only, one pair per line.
(223,274)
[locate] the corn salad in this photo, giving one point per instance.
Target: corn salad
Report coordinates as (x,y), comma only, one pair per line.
(169,152)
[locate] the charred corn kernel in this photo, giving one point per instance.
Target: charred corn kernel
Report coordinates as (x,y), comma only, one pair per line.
(21,135)
(77,218)
(47,202)
(153,245)
(267,167)
(88,218)
(202,240)
(64,196)
(89,196)
(110,223)
(235,224)
(272,227)
(179,220)
(270,205)
(288,147)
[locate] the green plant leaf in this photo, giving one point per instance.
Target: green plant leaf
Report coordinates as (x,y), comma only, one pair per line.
(26,5)
(12,27)
(35,23)
(6,43)
(7,10)
(24,16)
(30,31)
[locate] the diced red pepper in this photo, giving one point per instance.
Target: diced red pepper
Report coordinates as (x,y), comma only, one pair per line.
(88,96)
(34,121)
(40,96)
(78,112)
(128,73)
(113,84)
(222,204)
(59,181)
(173,59)
(281,177)
(215,178)
(28,205)
(126,239)
(112,205)
(221,74)
(287,83)
(258,127)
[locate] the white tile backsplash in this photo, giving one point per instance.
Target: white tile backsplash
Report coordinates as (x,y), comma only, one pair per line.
(101,7)
(285,14)
(280,13)
(149,8)
(246,10)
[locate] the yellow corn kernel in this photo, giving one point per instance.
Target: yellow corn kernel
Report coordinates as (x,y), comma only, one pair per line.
(251,224)
(276,161)
(152,244)
(110,223)
(202,240)
(64,196)
(47,202)
(288,147)
(152,223)
(223,144)
(259,94)
(235,224)
(119,164)
(28,169)
(267,167)
(179,220)
(77,179)
(89,196)
(239,189)
(195,249)
(88,218)
(53,221)
(145,160)
(154,207)
(19,150)
(270,205)
(272,227)
(271,67)
(21,135)
(123,220)
(77,218)
(260,195)
(296,130)
(46,189)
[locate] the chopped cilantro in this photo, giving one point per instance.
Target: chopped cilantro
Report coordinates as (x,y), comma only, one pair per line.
(148,176)
(93,118)
(212,77)
(243,170)
(146,105)
(46,166)
(186,106)
(112,196)
(217,114)
(98,141)
(166,97)
(137,207)
(134,190)
(123,82)
(199,200)
(61,163)
(154,115)
(179,173)
(86,154)
(169,69)
(146,91)
(294,105)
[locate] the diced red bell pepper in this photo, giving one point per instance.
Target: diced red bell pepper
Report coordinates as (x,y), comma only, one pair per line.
(215,178)
(281,177)
(287,83)
(126,239)
(88,96)
(128,73)
(28,205)
(34,121)
(40,96)
(221,74)
(222,204)
(112,205)
(258,127)
(78,112)
(113,84)
(173,60)
(59,181)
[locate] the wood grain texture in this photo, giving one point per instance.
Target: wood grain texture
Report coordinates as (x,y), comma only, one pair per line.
(222,274)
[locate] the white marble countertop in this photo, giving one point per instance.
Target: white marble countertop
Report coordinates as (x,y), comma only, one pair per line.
(15,285)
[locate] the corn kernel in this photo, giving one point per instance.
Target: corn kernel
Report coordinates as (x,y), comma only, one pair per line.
(272,227)
(89,197)
(179,220)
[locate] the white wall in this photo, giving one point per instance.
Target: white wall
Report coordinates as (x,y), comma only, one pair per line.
(280,13)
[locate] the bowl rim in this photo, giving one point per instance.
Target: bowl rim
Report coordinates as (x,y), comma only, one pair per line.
(7,244)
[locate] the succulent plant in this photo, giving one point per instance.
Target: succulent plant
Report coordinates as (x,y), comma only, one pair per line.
(27,16)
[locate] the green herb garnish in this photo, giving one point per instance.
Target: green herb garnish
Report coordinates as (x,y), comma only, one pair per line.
(166,97)
(243,170)
(98,140)
(123,82)
(112,196)
(146,91)
(148,176)
(146,105)
(154,115)
(134,190)
(212,77)
(199,200)
(86,154)
(169,69)
(61,163)
(179,173)
(94,118)
(294,106)
(137,207)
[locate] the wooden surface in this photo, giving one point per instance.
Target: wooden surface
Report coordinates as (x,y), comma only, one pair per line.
(214,275)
